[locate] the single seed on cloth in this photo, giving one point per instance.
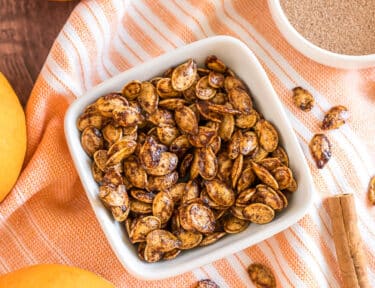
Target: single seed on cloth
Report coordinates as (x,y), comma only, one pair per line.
(207,283)
(303,99)
(335,117)
(320,149)
(371,191)
(261,276)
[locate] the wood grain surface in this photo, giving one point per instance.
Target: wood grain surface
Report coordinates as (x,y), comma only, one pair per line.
(27,31)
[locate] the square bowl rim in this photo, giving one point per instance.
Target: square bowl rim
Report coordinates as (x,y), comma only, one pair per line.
(70,123)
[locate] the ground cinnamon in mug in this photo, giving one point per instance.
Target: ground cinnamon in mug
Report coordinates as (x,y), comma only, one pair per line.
(341,26)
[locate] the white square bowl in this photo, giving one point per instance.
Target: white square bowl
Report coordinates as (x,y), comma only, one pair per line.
(241,60)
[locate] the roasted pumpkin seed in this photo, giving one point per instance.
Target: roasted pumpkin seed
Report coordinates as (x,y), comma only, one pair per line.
(259,154)
(101,158)
(261,276)
(127,116)
(234,147)
(267,134)
(180,145)
(141,250)
(185,164)
(203,90)
(234,225)
(172,103)
(270,163)
(93,118)
(266,195)
(212,238)
(236,170)
(335,117)
(184,218)
(148,99)
(97,173)
(112,176)
(219,192)
(161,117)
(248,142)
(237,211)
(213,63)
(283,198)
(202,107)
(162,240)
(207,163)
(265,176)
(191,191)
(222,109)
(244,198)
(120,151)
(247,121)
(293,186)
(132,89)
(167,163)
(281,155)
(371,191)
(303,99)
(320,148)
(195,165)
(183,76)
(91,140)
(206,283)
(171,254)
(216,79)
(142,227)
(246,179)
(177,191)
(215,144)
(220,98)
(259,213)
(240,100)
(150,153)
(135,173)
(284,176)
(120,213)
(114,196)
(157,183)
(152,255)
(201,217)
(189,239)
(162,207)
(232,82)
(204,137)
(140,207)
(142,195)
(112,134)
(108,103)
(224,166)
(226,127)
(165,89)
(186,120)
(166,134)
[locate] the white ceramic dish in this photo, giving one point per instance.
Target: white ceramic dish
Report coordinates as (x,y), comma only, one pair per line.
(312,51)
(237,55)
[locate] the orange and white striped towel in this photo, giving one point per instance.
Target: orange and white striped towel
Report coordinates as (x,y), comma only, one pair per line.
(47,217)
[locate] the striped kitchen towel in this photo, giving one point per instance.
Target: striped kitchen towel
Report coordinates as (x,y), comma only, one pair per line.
(47,217)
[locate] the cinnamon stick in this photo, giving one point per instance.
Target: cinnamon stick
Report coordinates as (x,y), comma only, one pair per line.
(348,242)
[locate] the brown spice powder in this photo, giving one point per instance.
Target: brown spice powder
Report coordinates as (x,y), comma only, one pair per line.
(341,26)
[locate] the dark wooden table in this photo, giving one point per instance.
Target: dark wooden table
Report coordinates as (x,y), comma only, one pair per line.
(27,31)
